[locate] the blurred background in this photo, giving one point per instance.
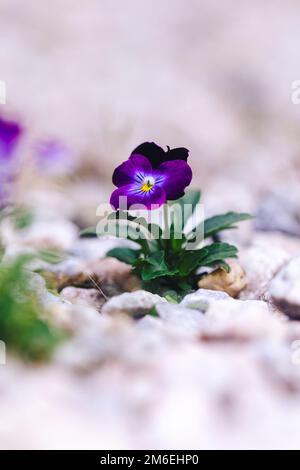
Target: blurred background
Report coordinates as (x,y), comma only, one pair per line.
(89,81)
(216,78)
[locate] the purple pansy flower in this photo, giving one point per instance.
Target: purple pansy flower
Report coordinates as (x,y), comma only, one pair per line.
(151,186)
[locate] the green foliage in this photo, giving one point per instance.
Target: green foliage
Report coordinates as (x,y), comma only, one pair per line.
(125,254)
(50,256)
(89,232)
(22,218)
(21,328)
(207,256)
(218,223)
(164,264)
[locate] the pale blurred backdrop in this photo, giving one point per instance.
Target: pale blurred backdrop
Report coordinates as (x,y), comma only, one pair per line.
(213,76)
(100,77)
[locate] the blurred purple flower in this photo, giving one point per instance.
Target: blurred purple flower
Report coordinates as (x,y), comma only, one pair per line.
(142,184)
(54,158)
(10,134)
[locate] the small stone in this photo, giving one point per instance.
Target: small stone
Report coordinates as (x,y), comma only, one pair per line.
(261,261)
(109,274)
(284,289)
(89,297)
(68,272)
(230,319)
(113,276)
(241,320)
(232,283)
(181,320)
(201,299)
(135,304)
(279,211)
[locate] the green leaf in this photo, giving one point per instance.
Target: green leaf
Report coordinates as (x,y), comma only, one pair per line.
(154,266)
(88,232)
(22,326)
(153,312)
(224,265)
(23,218)
(121,215)
(190,260)
(118,216)
(155,230)
(127,255)
(171,296)
(52,257)
(191,197)
(216,252)
(218,223)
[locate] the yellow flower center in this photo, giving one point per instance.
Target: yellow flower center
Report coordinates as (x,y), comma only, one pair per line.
(148,184)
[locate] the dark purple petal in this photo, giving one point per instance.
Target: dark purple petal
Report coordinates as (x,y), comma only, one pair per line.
(180,153)
(173,176)
(10,133)
(156,196)
(133,170)
(154,153)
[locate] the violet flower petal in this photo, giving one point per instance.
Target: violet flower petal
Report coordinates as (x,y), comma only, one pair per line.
(156,196)
(133,170)
(173,176)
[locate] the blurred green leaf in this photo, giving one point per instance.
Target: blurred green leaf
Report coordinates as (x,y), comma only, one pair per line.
(52,257)
(218,223)
(88,232)
(21,327)
(127,255)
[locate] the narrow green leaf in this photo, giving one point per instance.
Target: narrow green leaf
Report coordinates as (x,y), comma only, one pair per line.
(127,255)
(22,326)
(190,260)
(121,215)
(218,223)
(88,232)
(52,257)
(216,252)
